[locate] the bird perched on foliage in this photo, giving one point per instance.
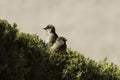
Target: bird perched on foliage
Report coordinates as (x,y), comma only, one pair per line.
(51,35)
(59,45)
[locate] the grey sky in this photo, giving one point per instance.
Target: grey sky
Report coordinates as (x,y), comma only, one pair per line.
(92,27)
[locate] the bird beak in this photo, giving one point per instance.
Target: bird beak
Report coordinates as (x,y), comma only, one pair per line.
(44,28)
(65,39)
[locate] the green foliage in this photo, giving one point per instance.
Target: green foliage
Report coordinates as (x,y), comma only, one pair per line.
(25,57)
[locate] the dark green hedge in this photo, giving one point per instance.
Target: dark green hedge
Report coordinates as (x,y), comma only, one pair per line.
(25,57)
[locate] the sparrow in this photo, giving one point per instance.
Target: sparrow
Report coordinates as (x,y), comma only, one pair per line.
(59,45)
(51,35)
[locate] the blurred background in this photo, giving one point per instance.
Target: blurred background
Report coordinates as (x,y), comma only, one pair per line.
(92,27)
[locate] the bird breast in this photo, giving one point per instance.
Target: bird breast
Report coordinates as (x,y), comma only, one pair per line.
(50,37)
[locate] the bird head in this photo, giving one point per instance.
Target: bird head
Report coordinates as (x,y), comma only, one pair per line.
(49,28)
(62,38)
